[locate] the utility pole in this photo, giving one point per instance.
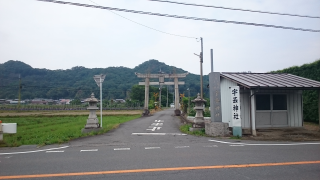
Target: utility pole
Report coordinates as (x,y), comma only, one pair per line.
(19,92)
(101,100)
(167,95)
(201,61)
(188,100)
(211,51)
(160,97)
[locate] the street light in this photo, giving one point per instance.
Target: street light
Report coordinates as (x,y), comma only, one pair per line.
(99,79)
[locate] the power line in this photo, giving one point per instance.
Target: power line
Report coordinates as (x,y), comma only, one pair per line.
(181,17)
(238,9)
(148,26)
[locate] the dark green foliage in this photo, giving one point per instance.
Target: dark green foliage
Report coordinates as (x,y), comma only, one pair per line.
(137,94)
(76,102)
(185,129)
(185,103)
(206,113)
(78,82)
(310,97)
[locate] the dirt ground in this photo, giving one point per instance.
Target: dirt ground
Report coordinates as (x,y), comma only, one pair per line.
(66,113)
(309,132)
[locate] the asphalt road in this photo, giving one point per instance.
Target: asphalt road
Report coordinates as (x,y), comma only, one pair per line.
(154,148)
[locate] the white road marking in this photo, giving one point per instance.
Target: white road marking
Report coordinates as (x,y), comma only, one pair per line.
(121,149)
(152,148)
(289,144)
(160,134)
(154,128)
(33,151)
(181,147)
(53,151)
(156,124)
(158,121)
(211,146)
(236,145)
(87,150)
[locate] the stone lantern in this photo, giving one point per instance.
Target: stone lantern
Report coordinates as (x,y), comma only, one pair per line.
(92,121)
(198,119)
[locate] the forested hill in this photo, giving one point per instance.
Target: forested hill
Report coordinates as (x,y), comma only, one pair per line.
(78,82)
(310,71)
(310,98)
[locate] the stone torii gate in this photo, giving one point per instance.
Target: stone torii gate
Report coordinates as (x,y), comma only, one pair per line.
(161,78)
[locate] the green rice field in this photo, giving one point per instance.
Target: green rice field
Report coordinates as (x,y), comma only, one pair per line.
(45,130)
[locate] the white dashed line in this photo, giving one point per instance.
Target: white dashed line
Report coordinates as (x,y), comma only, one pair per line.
(236,145)
(181,147)
(53,151)
(153,128)
(156,124)
(289,144)
(25,152)
(121,149)
(158,121)
(152,148)
(86,150)
(159,134)
(211,146)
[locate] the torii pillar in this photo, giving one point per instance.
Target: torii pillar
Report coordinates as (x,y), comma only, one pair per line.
(147,83)
(146,97)
(176,98)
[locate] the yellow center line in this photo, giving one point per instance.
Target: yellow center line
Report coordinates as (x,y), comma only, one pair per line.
(158,169)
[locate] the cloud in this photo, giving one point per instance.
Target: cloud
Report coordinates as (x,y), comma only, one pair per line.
(55,36)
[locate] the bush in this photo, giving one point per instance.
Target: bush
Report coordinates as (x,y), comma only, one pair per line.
(151,105)
(206,112)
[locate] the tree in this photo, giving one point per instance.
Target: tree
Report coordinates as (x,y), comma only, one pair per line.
(75,102)
(137,93)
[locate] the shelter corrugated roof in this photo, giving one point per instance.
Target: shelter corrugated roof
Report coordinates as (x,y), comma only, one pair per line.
(271,80)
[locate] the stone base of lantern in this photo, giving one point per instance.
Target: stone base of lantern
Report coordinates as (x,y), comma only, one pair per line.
(92,123)
(87,130)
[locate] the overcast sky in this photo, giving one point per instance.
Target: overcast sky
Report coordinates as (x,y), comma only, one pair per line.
(55,36)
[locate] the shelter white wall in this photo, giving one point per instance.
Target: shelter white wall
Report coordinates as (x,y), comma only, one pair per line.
(294,105)
(226,100)
(245,109)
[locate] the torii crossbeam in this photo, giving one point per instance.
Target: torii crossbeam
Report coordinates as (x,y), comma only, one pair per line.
(161,82)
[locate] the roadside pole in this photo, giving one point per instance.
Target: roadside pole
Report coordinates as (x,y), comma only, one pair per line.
(101,100)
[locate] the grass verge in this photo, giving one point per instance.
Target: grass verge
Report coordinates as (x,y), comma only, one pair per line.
(185,129)
(45,130)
